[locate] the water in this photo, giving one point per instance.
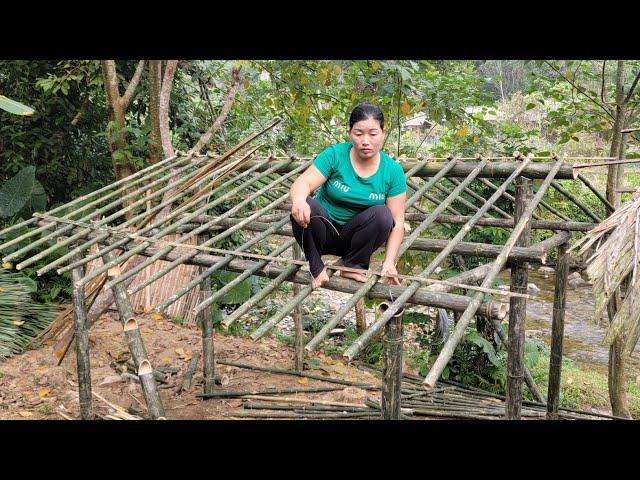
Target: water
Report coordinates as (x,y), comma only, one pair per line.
(583,338)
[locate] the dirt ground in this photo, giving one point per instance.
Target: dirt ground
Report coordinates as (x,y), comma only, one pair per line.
(33,387)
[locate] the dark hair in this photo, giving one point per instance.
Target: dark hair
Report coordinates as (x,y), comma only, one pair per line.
(364,111)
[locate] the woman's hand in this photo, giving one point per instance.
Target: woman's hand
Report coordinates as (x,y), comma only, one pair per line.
(301,212)
(389,268)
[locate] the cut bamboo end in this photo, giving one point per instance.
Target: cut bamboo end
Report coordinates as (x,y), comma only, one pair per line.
(145,368)
(130,324)
(384,306)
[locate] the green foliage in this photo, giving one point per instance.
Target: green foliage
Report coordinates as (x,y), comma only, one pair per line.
(238,294)
(14,107)
(15,192)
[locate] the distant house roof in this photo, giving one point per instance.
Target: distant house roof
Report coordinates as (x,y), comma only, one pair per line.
(419,120)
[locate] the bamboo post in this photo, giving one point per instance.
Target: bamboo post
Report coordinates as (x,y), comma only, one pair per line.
(557,332)
(208,361)
(297,320)
(136,345)
(392,366)
(518,308)
(82,346)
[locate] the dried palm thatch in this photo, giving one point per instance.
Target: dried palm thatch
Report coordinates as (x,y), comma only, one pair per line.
(614,262)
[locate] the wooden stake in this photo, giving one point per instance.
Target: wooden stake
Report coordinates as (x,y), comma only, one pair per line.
(208,361)
(297,320)
(518,308)
(392,367)
(557,332)
(82,345)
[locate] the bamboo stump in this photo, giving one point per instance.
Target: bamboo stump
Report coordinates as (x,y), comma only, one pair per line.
(518,308)
(208,359)
(82,343)
(135,343)
(392,367)
(557,332)
(297,320)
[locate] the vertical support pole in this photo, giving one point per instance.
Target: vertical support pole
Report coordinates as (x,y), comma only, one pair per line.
(208,359)
(135,343)
(297,320)
(518,308)
(82,342)
(392,365)
(557,332)
(361,317)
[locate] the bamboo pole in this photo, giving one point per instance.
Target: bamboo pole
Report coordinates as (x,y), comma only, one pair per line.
(153,228)
(467,316)
(168,198)
(94,214)
(170,229)
(79,200)
(136,346)
(206,272)
(576,201)
(592,187)
(365,338)
(518,309)
(494,169)
(271,391)
(480,198)
(82,347)
(505,194)
(392,367)
(557,332)
(185,257)
(297,320)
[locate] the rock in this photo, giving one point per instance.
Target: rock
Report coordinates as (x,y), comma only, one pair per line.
(575,275)
(577,282)
(546,270)
(532,287)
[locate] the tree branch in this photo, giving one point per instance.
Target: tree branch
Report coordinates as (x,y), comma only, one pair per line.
(633,86)
(81,110)
(224,111)
(603,92)
(579,89)
(165,94)
(125,100)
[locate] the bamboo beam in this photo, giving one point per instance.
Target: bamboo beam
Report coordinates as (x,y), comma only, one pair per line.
(557,332)
(82,347)
(455,338)
(505,194)
(494,169)
(518,309)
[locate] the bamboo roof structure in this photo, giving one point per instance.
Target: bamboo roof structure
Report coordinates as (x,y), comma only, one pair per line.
(210,197)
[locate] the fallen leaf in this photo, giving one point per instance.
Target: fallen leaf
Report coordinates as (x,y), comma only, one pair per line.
(7,266)
(18,322)
(25,414)
(303,381)
(569,381)
(156,317)
(165,361)
(43,393)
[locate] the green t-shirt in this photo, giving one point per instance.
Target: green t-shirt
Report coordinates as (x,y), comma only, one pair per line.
(345,193)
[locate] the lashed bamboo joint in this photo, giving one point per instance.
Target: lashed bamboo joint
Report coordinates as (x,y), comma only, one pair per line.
(209,198)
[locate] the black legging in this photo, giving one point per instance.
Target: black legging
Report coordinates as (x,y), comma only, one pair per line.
(355,241)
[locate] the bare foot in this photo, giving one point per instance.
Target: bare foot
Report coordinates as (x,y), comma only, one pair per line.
(320,280)
(358,277)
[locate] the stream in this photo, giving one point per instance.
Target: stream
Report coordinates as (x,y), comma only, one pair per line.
(583,338)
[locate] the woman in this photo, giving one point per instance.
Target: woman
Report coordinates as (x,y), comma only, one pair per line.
(359,205)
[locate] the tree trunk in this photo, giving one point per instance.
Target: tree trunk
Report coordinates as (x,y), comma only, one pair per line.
(155,84)
(616,380)
(165,95)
